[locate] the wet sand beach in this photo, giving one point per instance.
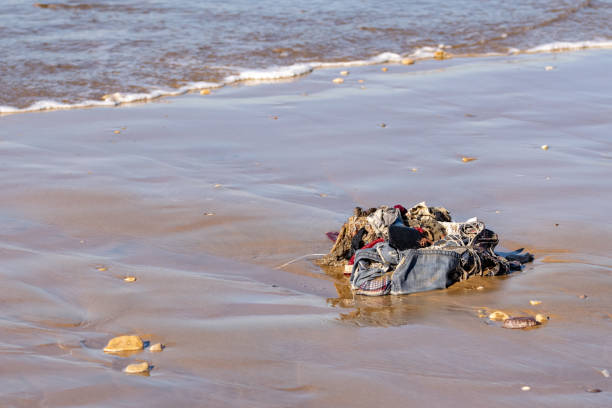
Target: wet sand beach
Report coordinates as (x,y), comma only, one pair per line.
(201,198)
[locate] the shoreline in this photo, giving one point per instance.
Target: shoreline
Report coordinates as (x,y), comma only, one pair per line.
(200,198)
(297,71)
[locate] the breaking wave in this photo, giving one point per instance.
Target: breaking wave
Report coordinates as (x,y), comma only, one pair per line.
(287,72)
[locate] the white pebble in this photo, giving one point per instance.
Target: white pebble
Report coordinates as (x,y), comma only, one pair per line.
(137,368)
(525,388)
(549,68)
(338,80)
(544,147)
(605,373)
(344,73)
(156,348)
(499,315)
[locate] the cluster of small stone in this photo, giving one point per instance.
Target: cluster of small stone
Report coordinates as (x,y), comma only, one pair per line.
(131,343)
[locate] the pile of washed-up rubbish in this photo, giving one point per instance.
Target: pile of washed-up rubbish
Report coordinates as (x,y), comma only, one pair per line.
(398,251)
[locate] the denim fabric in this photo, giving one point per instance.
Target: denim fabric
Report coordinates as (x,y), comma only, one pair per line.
(421,270)
(414,270)
(372,263)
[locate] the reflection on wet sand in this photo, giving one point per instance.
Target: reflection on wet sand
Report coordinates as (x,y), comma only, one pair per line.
(409,309)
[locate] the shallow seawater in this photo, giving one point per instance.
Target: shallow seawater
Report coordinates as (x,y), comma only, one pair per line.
(68,52)
(203,198)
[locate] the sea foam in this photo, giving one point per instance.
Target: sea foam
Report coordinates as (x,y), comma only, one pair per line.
(286,72)
(570,46)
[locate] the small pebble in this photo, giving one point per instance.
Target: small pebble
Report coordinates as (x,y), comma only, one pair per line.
(157,347)
(525,388)
(583,296)
(549,68)
(124,343)
(467,159)
(535,302)
(540,318)
(407,61)
(344,73)
(338,80)
(102,268)
(605,373)
(414,169)
(480,288)
(544,147)
(498,315)
(323,195)
(117,132)
(274,117)
(384,69)
(593,390)
(137,368)
(383,125)
(218,185)
(209,214)
(361,81)
(205,92)
(440,55)
(130,279)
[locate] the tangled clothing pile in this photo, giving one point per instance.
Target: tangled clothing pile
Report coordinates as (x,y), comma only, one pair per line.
(398,251)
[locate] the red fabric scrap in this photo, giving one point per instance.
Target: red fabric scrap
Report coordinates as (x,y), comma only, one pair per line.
(370,245)
(332,235)
(403,211)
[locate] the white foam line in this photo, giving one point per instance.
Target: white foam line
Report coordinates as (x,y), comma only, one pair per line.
(287,72)
(296,70)
(114,99)
(569,46)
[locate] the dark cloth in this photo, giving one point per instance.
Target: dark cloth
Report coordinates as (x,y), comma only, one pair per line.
(516,256)
(402,237)
(356,242)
